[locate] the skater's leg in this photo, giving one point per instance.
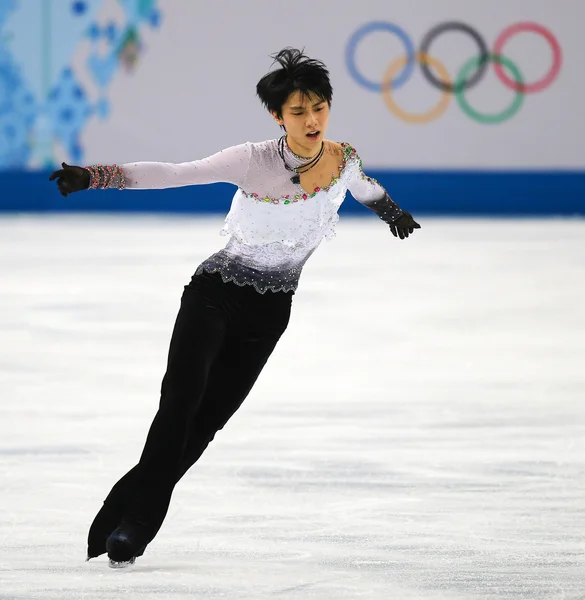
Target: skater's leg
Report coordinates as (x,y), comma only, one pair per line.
(245,352)
(197,338)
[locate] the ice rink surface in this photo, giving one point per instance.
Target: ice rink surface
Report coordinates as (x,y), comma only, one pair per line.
(419,433)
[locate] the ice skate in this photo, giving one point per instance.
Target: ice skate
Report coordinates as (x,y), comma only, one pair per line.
(126,543)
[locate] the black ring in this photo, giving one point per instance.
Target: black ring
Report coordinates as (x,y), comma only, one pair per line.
(482,64)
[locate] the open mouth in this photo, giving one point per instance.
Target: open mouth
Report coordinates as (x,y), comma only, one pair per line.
(313,135)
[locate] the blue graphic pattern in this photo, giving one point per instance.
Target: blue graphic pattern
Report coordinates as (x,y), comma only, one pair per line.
(17,105)
(44,104)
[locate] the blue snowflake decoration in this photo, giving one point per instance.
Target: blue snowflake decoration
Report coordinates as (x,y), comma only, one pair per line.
(17,114)
(53,106)
(69,109)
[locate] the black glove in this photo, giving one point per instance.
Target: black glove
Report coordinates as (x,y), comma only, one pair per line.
(71,179)
(404,225)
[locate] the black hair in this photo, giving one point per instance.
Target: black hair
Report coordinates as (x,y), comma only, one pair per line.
(297,72)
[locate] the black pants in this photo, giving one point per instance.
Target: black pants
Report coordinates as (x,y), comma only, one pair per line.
(223,336)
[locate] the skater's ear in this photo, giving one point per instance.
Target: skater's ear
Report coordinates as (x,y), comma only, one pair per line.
(278,118)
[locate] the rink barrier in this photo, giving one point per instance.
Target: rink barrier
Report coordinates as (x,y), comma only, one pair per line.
(456,193)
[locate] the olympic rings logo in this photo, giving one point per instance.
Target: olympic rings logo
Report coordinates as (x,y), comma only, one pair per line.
(471,73)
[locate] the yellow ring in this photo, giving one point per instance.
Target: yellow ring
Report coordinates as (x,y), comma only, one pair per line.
(435,112)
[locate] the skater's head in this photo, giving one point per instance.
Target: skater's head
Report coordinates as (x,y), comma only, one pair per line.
(298,95)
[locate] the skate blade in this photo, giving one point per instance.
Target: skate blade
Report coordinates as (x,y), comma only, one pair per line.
(114,564)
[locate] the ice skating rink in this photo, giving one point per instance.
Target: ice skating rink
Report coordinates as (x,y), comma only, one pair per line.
(419,433)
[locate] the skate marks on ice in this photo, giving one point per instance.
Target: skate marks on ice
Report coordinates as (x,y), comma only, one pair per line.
(418,433)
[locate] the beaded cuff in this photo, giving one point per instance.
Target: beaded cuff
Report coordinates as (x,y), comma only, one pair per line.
(106,176)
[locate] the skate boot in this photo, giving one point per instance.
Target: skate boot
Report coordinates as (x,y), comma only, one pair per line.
(127,542)
(107,519)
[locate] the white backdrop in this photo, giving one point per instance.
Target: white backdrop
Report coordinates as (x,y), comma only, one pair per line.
(194,90)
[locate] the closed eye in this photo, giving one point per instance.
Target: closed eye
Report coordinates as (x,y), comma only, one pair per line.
(317,109)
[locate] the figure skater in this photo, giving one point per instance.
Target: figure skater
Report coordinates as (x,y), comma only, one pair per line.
(237,304)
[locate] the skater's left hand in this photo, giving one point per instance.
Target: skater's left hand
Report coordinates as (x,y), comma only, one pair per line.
(404,225)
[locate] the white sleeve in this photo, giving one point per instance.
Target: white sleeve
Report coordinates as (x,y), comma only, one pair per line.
(229,166)
(369,192)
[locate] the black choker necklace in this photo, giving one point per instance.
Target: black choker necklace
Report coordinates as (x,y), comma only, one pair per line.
(296,178)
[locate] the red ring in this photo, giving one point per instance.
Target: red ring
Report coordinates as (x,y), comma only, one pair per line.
(543,83)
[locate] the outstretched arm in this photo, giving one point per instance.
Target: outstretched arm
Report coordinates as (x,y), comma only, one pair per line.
(371,194)
(229,165)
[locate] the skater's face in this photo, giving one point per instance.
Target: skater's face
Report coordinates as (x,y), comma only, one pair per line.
(305,119)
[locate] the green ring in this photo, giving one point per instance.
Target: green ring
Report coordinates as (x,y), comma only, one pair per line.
(506,114)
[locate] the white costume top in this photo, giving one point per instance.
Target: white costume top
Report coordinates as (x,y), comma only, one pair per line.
(273,225)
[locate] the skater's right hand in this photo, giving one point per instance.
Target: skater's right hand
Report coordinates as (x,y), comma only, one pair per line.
(71,179)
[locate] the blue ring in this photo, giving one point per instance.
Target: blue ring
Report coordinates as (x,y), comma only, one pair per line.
(357,37)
